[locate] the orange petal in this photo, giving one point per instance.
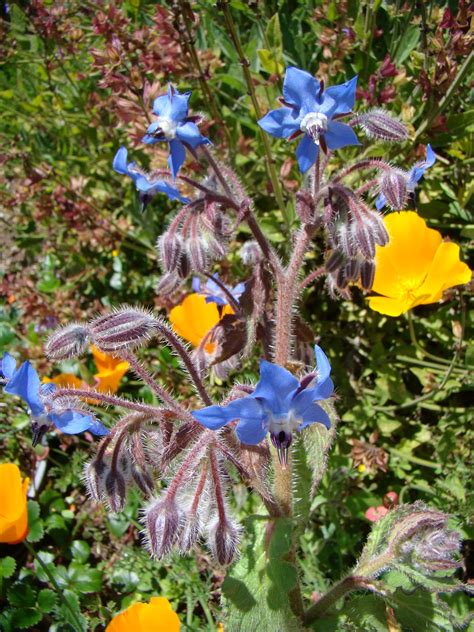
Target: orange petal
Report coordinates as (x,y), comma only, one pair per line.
(447,270)
(390,306)
(66,380)
(157,616)
(194,318)
(13,508)
(108,380)
(406,259)
(104,361)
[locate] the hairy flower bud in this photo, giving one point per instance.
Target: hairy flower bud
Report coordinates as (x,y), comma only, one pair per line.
(251,253)
(380,124)
(168,283)
(352,269)
(196,249)
(170,248)
(143,479)
(163,522)
(363,237)
(394,187)
(437,550)
(305,207)
(367,274)
(334,261)
(68,342)
(345,240)
(115,490)
(124,328)
(223,539)
(378,228)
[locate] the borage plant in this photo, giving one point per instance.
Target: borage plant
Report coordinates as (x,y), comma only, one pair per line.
(276,434)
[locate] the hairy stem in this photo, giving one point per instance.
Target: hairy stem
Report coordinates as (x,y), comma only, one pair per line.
(106,400)
(327,601)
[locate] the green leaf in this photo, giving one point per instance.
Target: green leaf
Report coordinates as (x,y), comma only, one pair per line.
(256,588)
(407,43)
(367,612)
(84,578)
(21,595)
(74,618)
(35,524)
(7,566)
(26,618)
(80,550)
(421,611)
(46,600)
(270,62)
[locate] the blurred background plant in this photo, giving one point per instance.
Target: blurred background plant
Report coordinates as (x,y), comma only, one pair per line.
(77,82)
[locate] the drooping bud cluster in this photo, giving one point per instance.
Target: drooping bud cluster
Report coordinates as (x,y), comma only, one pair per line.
(353,232)
(393,185)
(197,236)
(68,342)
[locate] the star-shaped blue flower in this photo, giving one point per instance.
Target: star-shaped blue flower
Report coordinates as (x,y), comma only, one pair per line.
(25,383)
(280,404)
(413,176)
(214,293)
(311,110)
(175,127)
(147,187)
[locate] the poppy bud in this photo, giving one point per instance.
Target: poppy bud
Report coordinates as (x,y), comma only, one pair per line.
(68,342)
(125,328)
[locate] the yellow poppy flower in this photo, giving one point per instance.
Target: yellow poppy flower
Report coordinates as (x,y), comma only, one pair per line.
(13,510)
(110,371)
(157,616)
(415,267)
(194,318)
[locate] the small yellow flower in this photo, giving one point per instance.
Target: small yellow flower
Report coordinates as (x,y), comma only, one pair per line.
(415,267)
(194,318)
(13,509)
(361,468)
(110,371)
(157,616)
(115,253)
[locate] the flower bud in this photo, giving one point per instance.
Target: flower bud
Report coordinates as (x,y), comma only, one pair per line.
(334,261)
(378,228)
(170,248)
(380,124)
(196,249)
(223,539)
(168,283)
(68,342)
(143,479)
(344,239)
(251,253)
(115,490)
(352,269)
(163,522)
(394,187)
(437,550)
(363,238)
(190,533)
(305,207)
(367,274)
(125,328)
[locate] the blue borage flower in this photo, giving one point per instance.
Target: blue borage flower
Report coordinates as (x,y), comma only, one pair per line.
(25,383)
(214,293)
(280,404)
(147,186)
(175,127)
(311,110)
(413,176)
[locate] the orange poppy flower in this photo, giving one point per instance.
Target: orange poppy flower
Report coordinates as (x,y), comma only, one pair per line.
(415,267)
(66,380)
(110,371)
(194,318)
(13,509)
(157,616)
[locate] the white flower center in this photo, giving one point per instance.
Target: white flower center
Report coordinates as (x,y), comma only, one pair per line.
(167,127)
(314,124)
(287,423)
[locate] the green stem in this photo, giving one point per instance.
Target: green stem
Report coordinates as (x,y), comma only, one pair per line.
(55,585)
(414,459)
(414,340)
(327,601)
(224,6)
(441,105)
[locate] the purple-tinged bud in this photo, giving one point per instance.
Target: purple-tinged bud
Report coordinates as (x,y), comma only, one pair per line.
(143,479)
(68,342)
(223,539)
(394,187)
(95,474)
(251,253)
(380,124)
(125,328)
(437,550)
(168,283)
(170,248)
(367,274)
(216,249)
(196,249)
(190,533)
(341,279)
(345,240)
(334,261)
(184,268)
(163,522)
(352,269)
(378,227)
(363,238)
(115,490)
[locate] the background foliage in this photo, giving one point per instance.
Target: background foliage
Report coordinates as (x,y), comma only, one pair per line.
(77,80)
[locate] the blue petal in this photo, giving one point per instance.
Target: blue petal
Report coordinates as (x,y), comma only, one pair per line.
(306,153)
(251,431)
(280,123)
(73,422)
(339,135)
(26,384)
(176,157)
(98,429)
(380,202)
(173,105)
(300,89)
(213,417)
(344,96)
(196,285)
(120,161)
(275,387)
(159,186)
(148,139)
(315,414)
(238,290)
(8,366)
(322,365)
(419,169)
(189,133)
